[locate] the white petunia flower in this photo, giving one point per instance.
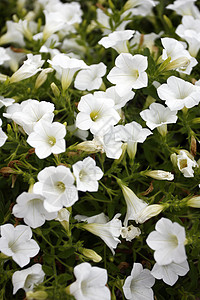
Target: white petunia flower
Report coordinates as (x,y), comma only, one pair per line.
(108,231)
(6,101)
(132,133)
(90,78)
(17,243)
(185,8)
(90,283)
(96,114)
(65,68)
(134,204)
(15,59)
(111,93)
(178,93)
(138,285)
(158,116)
(3,136)
(47,138)
(3,56)
(117,40)
(181,60)
(13,35)
(140,7)
(130,232)
(145,40)
(56,184)
(30,67)
(29,112)
(53,23)
(129,73)
(186,163)
(168,242)
(169,273)
(27,279)
(87,175)
(30,207)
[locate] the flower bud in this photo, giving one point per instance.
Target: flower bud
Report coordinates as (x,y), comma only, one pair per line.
(194,202)
(181,62)
(38,295)
(149,212)
(173,159)
(160,175)
(63,218)
(91,254)
(42,77)
(55,90)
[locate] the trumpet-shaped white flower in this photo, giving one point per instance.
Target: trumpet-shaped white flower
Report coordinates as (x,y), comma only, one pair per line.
(180,57)
(3,136)
(117,40)
(90,283)
(53,23)
(108,231)
(6,101)
(138,284)
(130,232)
(27,279)
(168,242)
(178,93)
(96,114)
(17,243)
(15,59)
(56,184)
(185,8)
(30,207)
(30,112)
(13,35)
(87,175)
(63,217)
(90,78)
(169,273)
(65,68)
(47,138)
(129,73)
(30,67)
(145,40)
(132,133)
(111,93)
(186,163)
(134,204)
(189,30)
(140,7)
(158,116)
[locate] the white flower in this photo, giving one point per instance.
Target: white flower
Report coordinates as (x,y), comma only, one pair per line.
(3,136)
(6,101)
(47,138)
(108,231)
(13,35)
(129,73)
(138,285)
(184,8)
(168,242)
(186,163)
(134,204)
(15,59)
(65,68)
(30,206)
(169,273)
(29,68)
(132,133)
(27,279)
(149,211)
(63,217)
(140,7)
(96,114)
(178,93)
(53,23)
(158,116)
(130,232)
(181,60)
(144,40)
(90,283)
(111,93)
(90,78)
(87,175)
(117,40)
(17,243)
(189,30)
(30,112)
(3,56)
(56,184)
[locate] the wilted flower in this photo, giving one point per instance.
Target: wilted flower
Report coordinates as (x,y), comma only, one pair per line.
(160,175)
(130,232)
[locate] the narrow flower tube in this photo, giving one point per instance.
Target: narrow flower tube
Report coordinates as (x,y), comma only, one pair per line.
(149,212)
(194,202)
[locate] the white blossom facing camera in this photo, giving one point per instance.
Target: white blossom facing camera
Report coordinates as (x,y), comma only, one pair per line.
(168,241)
(17,243)
(90,283)
(129,73)
(87,175)
(108,231)
(28,278)
(47,138)
(56,184)
(138,284)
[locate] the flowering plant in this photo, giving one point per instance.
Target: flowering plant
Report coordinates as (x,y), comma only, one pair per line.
(100,163)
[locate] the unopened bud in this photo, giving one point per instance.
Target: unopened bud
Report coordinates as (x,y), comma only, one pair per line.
(42,77)
(194,202)
(181,62)
(89,253)
(160,175)
(38,295)
(149,212)
(55,90)
(173,158)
